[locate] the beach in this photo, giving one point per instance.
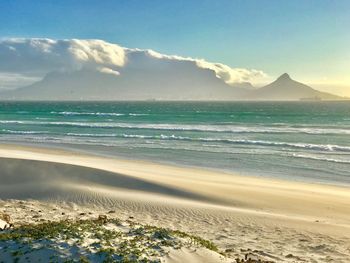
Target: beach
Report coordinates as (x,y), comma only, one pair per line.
(275,219)
(175,131)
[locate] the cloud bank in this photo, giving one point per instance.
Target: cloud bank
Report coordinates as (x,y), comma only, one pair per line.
(23,60)
(222,71)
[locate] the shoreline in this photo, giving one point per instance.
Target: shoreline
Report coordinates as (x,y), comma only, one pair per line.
(71,151)
(228,209)
(102,153)
(212,180)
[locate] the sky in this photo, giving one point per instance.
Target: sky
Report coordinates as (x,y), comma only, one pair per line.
(308,39)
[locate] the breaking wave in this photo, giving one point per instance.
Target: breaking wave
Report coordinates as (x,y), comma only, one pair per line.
(186,127)
(96,113)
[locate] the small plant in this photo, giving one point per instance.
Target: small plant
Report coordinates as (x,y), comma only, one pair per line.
(162,233)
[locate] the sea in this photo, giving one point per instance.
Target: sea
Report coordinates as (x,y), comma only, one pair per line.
(302,141)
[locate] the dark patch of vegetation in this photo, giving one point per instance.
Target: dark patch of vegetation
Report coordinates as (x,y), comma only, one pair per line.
(248,259)
(139,244)
(163,233)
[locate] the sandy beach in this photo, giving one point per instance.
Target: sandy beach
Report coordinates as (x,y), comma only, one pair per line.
(278,220)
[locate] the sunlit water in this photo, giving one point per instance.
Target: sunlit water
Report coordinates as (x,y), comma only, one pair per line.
(296,140)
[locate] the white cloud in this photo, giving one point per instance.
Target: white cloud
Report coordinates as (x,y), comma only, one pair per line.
(222,71)
(37,57)
(232,75)
(108,71)
(97,52)
(43,55)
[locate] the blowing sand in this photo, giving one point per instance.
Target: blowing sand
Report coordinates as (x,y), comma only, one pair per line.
(274,219)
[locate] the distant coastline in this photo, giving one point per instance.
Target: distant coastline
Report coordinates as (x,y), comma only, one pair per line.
(311,99)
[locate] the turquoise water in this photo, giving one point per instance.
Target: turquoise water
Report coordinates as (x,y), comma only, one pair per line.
(296,140)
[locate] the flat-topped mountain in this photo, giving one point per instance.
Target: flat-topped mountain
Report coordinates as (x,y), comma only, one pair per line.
(182,84)
(97,70)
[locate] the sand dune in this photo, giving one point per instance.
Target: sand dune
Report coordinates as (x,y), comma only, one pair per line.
(280,220)
(42,180)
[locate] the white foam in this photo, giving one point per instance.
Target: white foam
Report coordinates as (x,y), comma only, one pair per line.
(96,113)
(188,127)
(23,132)
(317,158)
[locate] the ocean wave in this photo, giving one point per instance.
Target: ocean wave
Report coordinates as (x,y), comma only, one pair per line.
(87,113)
(92,134)
(116,135)
(188,127)
(22,132)
(97,113)
(41,118)
(320,147)
(138,114)
(14,122)
(320,158)
(164,137)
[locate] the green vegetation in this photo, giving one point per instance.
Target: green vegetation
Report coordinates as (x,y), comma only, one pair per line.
(95,240)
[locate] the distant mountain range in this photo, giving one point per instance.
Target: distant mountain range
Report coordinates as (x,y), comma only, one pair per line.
(83,69)
(184,85)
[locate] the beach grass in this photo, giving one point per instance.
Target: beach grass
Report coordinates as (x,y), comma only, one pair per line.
(95,240)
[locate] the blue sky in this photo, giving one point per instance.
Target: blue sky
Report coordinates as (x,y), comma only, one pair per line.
(307,38)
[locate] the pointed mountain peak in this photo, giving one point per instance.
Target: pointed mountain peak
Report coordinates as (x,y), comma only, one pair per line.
(284,76)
